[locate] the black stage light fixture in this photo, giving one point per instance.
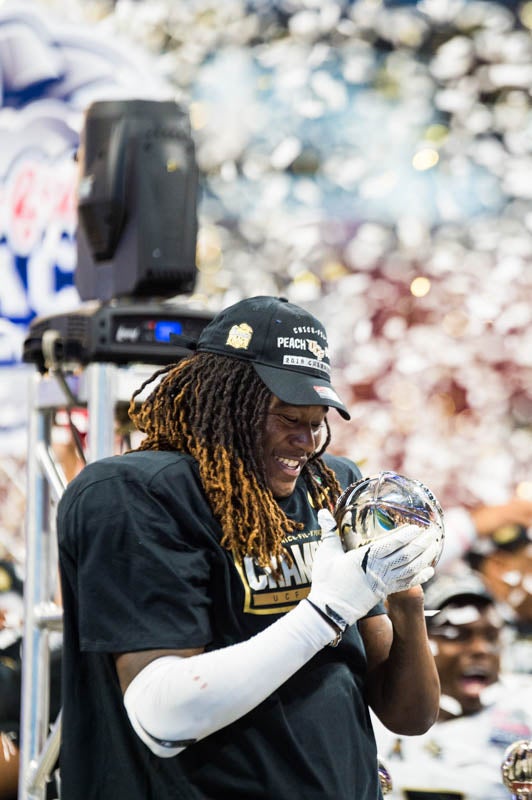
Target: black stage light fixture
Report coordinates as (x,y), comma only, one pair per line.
(137,201)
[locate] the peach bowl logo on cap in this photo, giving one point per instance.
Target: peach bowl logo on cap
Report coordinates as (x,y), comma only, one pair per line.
(240,336)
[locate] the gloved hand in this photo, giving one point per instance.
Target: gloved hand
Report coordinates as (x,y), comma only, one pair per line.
(345,586)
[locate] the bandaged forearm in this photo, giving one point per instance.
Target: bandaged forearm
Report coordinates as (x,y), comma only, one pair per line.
(173,702)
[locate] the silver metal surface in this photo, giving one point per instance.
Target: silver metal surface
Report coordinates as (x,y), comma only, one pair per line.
(516,769)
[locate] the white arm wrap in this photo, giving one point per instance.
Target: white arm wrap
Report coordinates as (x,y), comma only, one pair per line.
(175,701)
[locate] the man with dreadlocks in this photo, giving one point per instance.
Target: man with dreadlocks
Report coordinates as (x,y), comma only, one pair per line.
(218,641)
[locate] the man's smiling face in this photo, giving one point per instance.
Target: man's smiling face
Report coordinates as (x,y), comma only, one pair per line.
(292,435)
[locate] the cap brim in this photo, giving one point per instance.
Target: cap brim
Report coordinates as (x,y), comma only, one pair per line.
(438,596)
(299,389)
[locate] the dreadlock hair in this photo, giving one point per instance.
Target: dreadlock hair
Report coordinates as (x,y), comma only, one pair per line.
(214,408)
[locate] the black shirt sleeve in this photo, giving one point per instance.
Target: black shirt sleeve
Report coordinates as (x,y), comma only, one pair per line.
(142,577)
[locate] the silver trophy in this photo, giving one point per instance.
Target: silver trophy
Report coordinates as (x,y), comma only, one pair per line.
(517,769)
(385,779)
(374,507)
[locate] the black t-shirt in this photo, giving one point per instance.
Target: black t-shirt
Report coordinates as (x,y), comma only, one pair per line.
(142,568)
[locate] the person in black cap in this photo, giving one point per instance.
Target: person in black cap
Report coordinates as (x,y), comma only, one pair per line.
(484,709)
(203,581)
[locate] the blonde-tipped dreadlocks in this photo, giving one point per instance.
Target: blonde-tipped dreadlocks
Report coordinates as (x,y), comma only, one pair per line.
(214,408)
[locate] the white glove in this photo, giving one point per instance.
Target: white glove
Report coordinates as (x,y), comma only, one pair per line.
(345,586)
(401,560)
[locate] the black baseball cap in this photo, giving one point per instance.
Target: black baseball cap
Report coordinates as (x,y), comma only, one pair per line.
(286,345)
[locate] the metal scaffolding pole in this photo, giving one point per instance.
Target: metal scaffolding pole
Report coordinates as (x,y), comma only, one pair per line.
(96,388)
(45,482)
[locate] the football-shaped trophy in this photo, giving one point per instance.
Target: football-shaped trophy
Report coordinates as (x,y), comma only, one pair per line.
(517,769)
(376,506)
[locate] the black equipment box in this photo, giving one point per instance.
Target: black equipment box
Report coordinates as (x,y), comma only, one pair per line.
(117,333)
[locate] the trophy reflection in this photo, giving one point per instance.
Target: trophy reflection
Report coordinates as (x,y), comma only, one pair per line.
(374,507)
(517,769)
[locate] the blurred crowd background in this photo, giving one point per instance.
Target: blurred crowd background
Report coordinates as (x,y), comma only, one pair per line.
(369,160)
